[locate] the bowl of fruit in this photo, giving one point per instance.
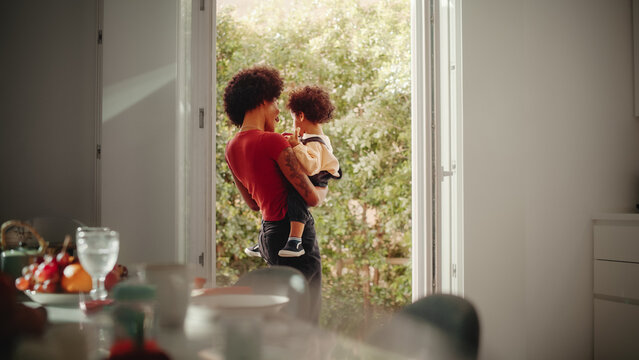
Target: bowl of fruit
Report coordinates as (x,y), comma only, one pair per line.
(58,279)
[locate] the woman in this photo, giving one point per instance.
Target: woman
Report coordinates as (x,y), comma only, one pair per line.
(264,167)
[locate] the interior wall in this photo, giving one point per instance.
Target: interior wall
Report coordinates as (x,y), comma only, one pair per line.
(549,140)
(139,127)
(48,110)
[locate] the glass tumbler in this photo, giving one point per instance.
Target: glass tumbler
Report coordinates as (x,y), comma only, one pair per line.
(98,249)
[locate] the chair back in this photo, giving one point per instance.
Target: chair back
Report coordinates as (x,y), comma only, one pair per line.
(281,280)
(438,326)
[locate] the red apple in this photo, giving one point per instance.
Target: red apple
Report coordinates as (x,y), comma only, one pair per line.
(49,286)
(62,259)
(46,271)
(112,278)
(48,258)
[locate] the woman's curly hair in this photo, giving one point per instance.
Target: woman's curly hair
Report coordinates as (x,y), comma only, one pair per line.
(313,101)
(248,89)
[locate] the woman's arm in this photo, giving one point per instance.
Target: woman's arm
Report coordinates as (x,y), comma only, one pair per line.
(293,172)
(245,194)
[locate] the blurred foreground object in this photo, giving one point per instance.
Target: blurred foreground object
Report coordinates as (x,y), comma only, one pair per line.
(438,326)
(173,291)
(133,314)
(199,282)
(128,349)
(16,319)
(60,342)
(282,281)
(221,291)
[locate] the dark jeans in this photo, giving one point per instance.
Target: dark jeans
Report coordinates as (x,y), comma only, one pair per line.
(273,237)
(297,210)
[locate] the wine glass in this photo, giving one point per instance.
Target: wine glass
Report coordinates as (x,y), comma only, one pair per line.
(98,249)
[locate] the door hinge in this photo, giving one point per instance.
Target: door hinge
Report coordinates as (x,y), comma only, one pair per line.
(202,5)
(99,36)
(98,151)
(446,173)
(201,118)
(201,259)
(455,270)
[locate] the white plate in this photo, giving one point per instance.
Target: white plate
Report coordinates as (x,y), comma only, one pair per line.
(67,299)
(242,303)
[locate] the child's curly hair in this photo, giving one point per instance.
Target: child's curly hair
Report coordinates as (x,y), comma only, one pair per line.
(313,101)
(248,89)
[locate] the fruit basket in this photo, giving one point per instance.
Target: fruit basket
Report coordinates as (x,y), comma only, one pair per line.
(16,253)
(53,277)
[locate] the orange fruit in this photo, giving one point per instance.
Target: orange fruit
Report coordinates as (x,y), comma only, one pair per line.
(76,279)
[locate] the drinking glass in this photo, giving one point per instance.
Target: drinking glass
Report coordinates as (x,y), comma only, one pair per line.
(98,251)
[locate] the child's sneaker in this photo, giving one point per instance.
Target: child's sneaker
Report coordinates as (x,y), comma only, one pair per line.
(293,248)
(253,250)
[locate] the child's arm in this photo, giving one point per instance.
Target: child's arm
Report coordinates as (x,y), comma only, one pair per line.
(310,157)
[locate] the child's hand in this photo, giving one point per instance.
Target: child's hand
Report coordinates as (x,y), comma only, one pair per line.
(294,139)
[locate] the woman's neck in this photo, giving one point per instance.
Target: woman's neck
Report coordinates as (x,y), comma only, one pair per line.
(253,120)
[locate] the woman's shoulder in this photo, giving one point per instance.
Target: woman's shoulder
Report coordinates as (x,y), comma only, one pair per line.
(273,137)
(273,143)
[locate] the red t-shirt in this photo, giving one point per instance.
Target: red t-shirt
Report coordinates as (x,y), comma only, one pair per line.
(252,156)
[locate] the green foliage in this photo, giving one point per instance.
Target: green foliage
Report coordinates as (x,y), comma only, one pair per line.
(362,54)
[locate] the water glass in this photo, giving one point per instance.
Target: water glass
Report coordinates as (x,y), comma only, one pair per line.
(98,249)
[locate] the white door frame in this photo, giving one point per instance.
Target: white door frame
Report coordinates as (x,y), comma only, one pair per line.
(427,170)
(196,133)
(422,150)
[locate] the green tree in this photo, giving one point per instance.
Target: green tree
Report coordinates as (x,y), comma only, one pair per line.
(362,54)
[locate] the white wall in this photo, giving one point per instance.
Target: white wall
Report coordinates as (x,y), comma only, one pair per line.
(48,113)
(549,140)
(139,127)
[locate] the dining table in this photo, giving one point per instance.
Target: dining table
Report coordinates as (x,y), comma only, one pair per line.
(206,334)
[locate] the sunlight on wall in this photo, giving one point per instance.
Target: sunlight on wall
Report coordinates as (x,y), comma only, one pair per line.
(122,95)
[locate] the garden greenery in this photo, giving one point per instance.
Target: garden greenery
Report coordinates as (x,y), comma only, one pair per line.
(361,54)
